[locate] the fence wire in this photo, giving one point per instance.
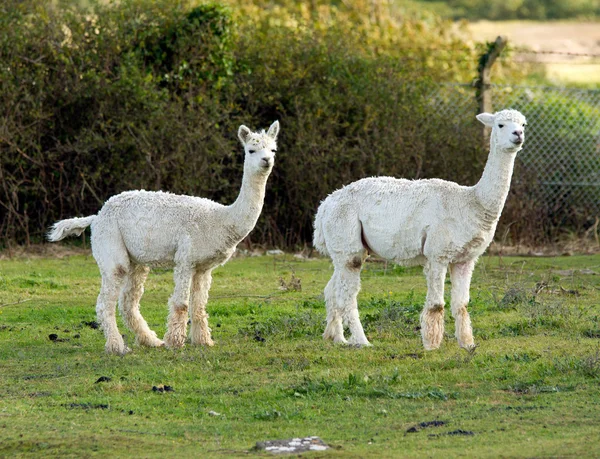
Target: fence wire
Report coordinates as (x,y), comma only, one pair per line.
(561,156)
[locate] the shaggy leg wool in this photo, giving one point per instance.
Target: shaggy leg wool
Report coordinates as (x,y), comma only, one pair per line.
(432,317)
(129,305)
(106,313)
(335,329)
(347,289)
(200,331)
(178,308)
(460,276)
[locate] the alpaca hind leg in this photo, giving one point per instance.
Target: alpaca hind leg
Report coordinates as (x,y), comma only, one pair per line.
(106,309)
(432,317)
(460,276)
(335,329)
(129,304)
(178,308)
(200,331)
(347,289)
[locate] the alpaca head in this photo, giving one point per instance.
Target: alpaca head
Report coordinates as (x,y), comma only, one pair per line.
(508,129)
(260,148)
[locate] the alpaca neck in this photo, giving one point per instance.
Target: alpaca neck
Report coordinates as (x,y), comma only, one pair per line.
(492,188)
(244,212)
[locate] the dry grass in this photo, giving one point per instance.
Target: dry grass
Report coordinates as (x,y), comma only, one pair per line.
(560,36)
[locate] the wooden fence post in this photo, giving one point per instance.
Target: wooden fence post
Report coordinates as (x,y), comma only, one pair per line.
(483,92)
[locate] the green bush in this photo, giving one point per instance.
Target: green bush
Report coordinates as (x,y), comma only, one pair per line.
(150,94)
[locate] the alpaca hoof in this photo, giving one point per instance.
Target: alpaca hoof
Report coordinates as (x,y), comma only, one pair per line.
(204,342)
(431,346)
(359,342)
(336,339)
(332,334)
(156,343)
(117,349)
(150,341)
(171,342)
(470,348)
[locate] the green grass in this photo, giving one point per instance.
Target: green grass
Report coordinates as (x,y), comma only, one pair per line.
(531,388)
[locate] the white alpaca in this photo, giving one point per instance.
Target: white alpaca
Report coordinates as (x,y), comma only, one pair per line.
(434,223)
(138,229)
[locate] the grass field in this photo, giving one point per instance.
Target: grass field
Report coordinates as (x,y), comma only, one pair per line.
(531,388)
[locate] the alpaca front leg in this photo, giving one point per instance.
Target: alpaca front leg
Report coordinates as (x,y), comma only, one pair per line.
(200,331)
(335,329)
(432,317)
(129,304)
(178,308)
(460,276)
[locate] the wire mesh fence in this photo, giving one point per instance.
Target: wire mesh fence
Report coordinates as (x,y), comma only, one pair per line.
(561,157)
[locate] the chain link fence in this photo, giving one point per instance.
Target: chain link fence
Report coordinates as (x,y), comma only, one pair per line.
(561,157)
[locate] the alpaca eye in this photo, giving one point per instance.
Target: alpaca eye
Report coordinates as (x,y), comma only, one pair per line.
(501,126)
(251,151)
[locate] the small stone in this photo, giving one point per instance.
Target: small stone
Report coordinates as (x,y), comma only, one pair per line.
(102,379)
(213,413)
(293,445)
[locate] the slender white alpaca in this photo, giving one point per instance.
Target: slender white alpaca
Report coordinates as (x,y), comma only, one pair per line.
(434,223)
(138,229)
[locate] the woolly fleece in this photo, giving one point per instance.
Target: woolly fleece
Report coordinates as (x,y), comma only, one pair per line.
(138,229)
(435,223)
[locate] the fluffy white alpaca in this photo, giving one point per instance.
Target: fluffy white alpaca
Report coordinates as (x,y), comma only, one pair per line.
(138,229)
(434,223)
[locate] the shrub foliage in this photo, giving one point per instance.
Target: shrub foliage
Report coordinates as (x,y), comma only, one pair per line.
(149,94)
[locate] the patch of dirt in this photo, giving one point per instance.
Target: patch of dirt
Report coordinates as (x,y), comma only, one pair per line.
(454,432)
(54,338)
(564,249)
(88,406)
(461,432)
(40,394)
(162,388)
(43,251)
(425,425)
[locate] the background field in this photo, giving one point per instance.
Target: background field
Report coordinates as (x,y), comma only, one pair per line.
(551,36)
(531,388)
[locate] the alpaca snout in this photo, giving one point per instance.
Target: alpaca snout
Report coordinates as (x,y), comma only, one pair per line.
(519,137)
(518,140)
(266,162)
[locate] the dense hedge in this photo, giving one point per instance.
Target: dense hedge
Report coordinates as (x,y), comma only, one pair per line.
(149,94)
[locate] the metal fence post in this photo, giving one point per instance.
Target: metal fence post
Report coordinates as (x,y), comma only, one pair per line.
(483,83)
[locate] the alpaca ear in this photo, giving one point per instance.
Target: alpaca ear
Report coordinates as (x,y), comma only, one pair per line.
(273,130)
(486,118)
(243,133)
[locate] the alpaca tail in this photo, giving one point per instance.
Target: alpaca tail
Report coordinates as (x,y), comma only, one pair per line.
(70,227)
(318,235)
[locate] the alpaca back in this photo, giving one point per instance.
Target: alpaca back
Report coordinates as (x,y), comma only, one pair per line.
(396,218)
(156,226)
